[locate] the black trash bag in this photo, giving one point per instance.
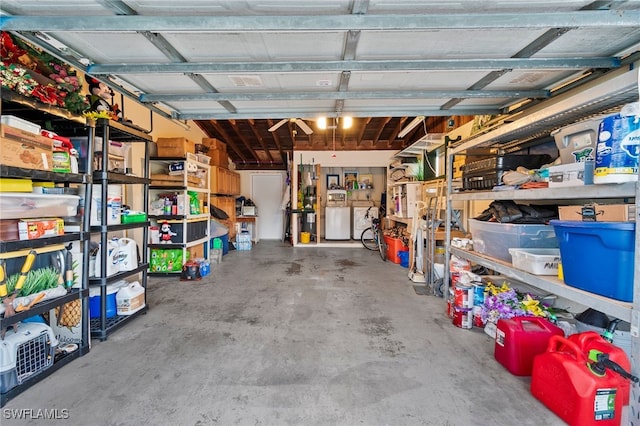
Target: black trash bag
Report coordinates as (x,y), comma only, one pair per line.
(539,212)
(506,211)
(218,213)
(593,318)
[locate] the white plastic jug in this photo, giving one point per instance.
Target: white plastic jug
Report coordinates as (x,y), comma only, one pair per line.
(113,262)
(128,254)
(113,204)
(130,299)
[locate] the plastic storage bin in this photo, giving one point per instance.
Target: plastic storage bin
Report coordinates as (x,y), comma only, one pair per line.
(404,258)
(394,247)
(19,123)
(95,297)
(133,217)
(18,205)
(598,256)
(495,239)
(225,243)
(536,261)
(577,142)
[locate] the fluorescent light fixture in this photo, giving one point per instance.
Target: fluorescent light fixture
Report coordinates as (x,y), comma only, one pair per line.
(347,122)
(419,119)
(322,123)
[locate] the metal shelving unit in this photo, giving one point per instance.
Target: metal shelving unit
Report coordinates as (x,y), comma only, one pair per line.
(57,118)
(611,91)
(113,131)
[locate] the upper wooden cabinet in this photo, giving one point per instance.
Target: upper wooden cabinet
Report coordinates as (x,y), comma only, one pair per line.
(224,181)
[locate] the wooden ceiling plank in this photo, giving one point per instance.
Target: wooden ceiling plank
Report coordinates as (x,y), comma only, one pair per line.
(363,127)
(380,129)
(234,125)
(254,130)
(227,139)
(276,139)
(397,129)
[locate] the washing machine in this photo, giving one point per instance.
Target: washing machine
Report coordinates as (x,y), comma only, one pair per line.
(360,222)
(337,216)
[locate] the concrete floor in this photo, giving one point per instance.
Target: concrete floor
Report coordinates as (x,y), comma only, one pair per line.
(290,336)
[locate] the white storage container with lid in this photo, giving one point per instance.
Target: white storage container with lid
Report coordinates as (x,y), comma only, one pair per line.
(536,261)
(130,299)
(19,123)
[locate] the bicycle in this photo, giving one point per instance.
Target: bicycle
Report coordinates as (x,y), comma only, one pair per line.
(372,237)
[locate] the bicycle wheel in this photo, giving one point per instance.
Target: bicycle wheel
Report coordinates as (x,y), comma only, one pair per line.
(368,239)
(382,246)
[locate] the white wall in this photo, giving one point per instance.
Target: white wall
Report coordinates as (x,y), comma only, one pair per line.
(380,158)
(364,161)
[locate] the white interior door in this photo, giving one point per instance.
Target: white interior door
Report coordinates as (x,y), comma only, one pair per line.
(266,193)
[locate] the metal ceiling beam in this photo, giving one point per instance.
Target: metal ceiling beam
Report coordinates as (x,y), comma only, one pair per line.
(524,54)
(354,65)
(164,46)
(384,111)
(205,85)
(399,22)
(391,94)
(172,53)
(360,6)
(117,6)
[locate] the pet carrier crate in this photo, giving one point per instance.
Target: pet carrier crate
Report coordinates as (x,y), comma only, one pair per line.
(25,353)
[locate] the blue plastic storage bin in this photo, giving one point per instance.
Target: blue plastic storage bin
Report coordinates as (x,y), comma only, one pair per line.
(225,243)
(95,298)
(404,258)
(598,256)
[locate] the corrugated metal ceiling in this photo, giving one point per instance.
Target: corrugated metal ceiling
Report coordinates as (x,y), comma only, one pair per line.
(383,62)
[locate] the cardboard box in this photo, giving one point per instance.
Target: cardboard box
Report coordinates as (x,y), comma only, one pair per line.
(24,149)
(175,147)
(219,158)
(573,174)
(214,144)
(601,212)
(31,229)
(196,252)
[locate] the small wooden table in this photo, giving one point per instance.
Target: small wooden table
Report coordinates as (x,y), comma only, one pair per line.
(253,220)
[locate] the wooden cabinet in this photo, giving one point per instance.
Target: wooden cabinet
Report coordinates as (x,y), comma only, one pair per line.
(224,181)
(227,204)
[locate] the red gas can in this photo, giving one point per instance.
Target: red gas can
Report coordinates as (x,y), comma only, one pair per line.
(519,339)
(561,380)
(590,340)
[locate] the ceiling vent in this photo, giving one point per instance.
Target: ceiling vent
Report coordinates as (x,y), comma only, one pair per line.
(246,80)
